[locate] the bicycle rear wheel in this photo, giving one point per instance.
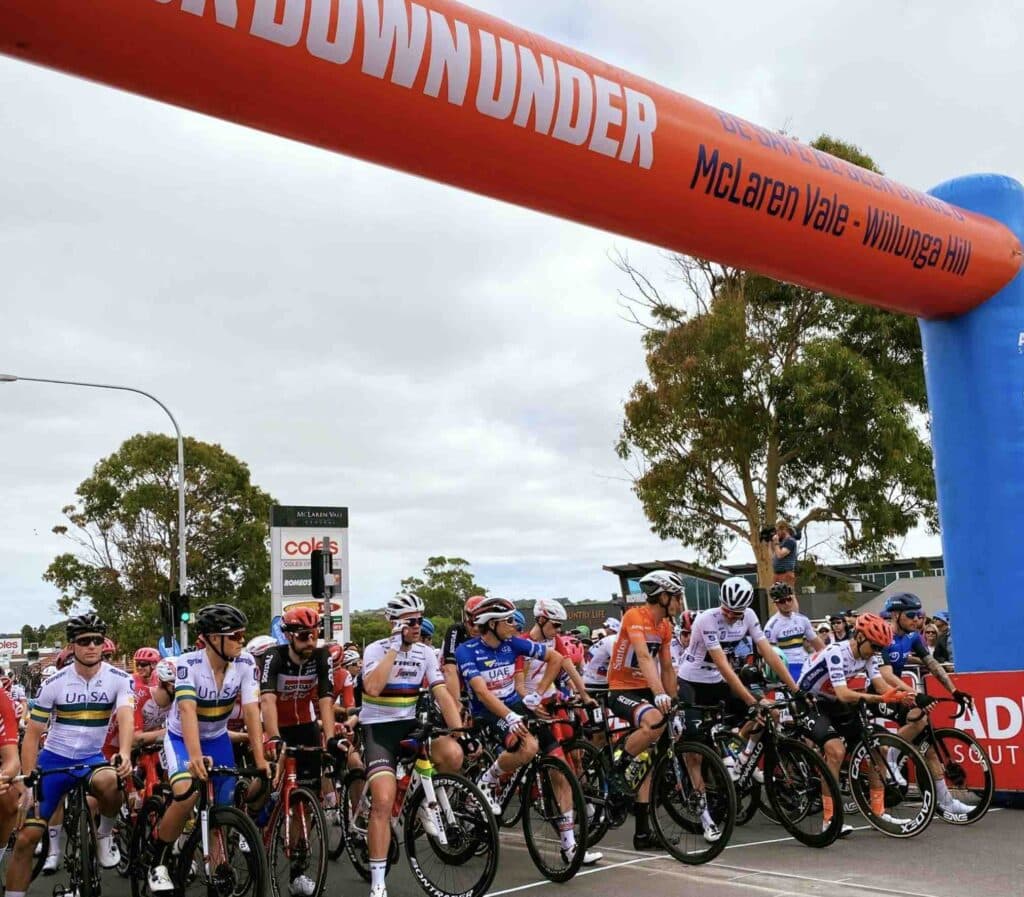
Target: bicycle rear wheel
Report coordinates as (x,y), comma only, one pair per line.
(966,770)
(87,866)
(465,860)
(694,824)
(300,852)
(800,787)
(546,825)
(335,817)
(588,765)
(908,788)
(237,866)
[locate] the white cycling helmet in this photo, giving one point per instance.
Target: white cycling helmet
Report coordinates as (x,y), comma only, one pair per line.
(50,671)
(260,645)
(493,609)
(349,657)
(658,581)
(612,624)
(404,603)
(737,593)
(548,607)
(165,669)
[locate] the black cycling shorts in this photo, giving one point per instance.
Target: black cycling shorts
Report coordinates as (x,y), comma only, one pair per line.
(545,738)
(833,719)
(380,745)
(632,704)
(708,694)
(308,764)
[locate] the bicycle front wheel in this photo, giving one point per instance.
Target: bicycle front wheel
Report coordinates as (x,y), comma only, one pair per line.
(453,847)
(297,858)
(237,865)
(88,864)
(588,765)
(693,802)
(801,791)
(903,804)
(967,772)
(143,829)
(554,818)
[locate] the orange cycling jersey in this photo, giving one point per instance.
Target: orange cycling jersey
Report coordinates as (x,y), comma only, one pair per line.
(624,671)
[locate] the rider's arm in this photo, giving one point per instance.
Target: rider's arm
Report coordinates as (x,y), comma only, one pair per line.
(574,677)
(9,762)
(484,696)
(764,648)
(448,705)
(325,693)
(189,720)
(268,706)
(254,729)
(451,681)
(449,665)
(936,669)
(519,677)
(889,679)
(552,667)
(125,730)
(34,731)
(669,682)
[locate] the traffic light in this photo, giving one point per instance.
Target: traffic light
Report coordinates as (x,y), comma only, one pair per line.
(317,568)
(180,607)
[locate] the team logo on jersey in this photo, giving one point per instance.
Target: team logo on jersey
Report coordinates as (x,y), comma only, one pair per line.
(488,663)
(834,659)
(182,673)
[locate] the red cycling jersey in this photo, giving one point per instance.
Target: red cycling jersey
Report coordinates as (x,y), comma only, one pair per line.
(344,687)
(8,721)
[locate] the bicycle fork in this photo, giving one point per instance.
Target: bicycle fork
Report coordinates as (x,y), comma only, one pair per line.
(435,803)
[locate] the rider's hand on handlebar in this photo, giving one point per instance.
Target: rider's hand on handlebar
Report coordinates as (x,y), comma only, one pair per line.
(663,702)
(122,766)
(898,696)
(963,699)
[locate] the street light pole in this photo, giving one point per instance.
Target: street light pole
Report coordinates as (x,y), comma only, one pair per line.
(182,568)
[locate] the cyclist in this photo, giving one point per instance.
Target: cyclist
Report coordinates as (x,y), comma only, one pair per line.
(906,617)
(789,629)
(707,675)
(145,660)
(642,682)
(109,650)
(208,681)
(81,698)
(394,671)
(458,634)
(682,637)
(10,766)
(595,671)
(825,677)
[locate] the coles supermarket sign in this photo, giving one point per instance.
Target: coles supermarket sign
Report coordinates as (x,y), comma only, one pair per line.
(294,533)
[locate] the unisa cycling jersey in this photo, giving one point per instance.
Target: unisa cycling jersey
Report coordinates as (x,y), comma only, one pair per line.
(834,666)
(712,630)
(194,681)
(790,633)
(496,666)
(81,708)
(412,669)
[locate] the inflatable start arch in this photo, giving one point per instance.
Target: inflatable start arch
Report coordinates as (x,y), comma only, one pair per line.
(438,89)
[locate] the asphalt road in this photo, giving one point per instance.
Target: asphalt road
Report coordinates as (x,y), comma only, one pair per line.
(982,860)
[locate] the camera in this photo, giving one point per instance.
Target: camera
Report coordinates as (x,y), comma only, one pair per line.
(766,533)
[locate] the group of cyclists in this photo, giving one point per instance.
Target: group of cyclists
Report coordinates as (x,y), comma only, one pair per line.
(237,700)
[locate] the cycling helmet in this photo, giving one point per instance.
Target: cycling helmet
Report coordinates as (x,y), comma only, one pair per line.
(260,645)
(874,629)
(299,619)
(351,656)
(548,607)
(653,584)
(220,619)
(404,603)
(902,601)
(336,651)
(491,609)
(519,619)
(780,590)
(752,676)
(582,632)
(109,646)
(427,628)
(65,657)
(49,671)
(146,655)
(612,624)
(686,620)
(165,670)
(768,670)
(737,593)
(84,624)
(472,603)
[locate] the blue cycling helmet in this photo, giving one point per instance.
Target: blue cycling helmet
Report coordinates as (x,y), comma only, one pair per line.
(942,615)
(519,620)
(427,628)
(900,602)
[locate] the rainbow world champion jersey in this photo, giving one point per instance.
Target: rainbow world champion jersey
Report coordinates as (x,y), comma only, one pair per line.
(194,682)
(412,669)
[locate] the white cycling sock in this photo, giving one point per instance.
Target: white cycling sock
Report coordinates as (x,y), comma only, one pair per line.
(942,792)
(378,869)
(14,894)
(705,818)
(566,832)
(55,833)
(106,826)
(492,774)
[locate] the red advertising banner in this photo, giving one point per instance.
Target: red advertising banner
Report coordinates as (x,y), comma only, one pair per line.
(997,721)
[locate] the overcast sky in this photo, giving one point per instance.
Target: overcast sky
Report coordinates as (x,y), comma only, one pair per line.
(463,391)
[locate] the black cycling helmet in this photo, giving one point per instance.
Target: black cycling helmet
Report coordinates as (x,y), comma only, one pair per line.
(902,601)
(220,619)
(780,590)
(85,623)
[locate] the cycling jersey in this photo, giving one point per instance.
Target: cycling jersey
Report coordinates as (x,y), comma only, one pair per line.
(712,630)
(344,686)
(412,669)
(901,648)
(790,633)
(595,673)
(496,666)
(8,721)
(297,685)
(81,708)
(194,681)
(18,692)
(833,666)
(624,673)
(149,715)
(676,652)
(533,668)
(456,635)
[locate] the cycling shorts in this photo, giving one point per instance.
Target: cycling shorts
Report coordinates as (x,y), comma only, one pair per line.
(631,704)
(832,719)
(52,788)
(545,737)
(307,763)
(380,745)
(175,760)
(708,694)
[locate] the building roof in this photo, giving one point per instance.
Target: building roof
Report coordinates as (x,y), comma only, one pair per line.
(930,589)
(686,568)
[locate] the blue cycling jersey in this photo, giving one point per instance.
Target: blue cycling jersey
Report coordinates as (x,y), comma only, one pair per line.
(901,648)
(496,666)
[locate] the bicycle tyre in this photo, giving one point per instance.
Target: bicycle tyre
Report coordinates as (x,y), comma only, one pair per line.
(89,866)
(683,805)
(336,820)
(537,796)
(37,860)
(803,767)
(149,815)
(226,819)
(749,801)
(898,827)
(355,841)
(476,828)
(588,764)
(316,830)
(956,776)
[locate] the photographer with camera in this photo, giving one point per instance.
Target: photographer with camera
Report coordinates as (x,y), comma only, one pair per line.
(782,544)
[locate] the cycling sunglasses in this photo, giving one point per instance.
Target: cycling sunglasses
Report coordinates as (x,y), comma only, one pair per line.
(914,614)
(306,635)
(86,641)
(412,621)
(237,636)
(785,599)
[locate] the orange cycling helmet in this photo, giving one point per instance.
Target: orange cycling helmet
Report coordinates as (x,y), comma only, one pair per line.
(874,629)
(300,618)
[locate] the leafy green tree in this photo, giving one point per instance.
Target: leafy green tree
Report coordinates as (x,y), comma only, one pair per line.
(765,399)
(124,526)
(445,585)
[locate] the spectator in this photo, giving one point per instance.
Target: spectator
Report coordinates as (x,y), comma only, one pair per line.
(783,547)
(931,636)
(840,628)
(825,633)
(943,651)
